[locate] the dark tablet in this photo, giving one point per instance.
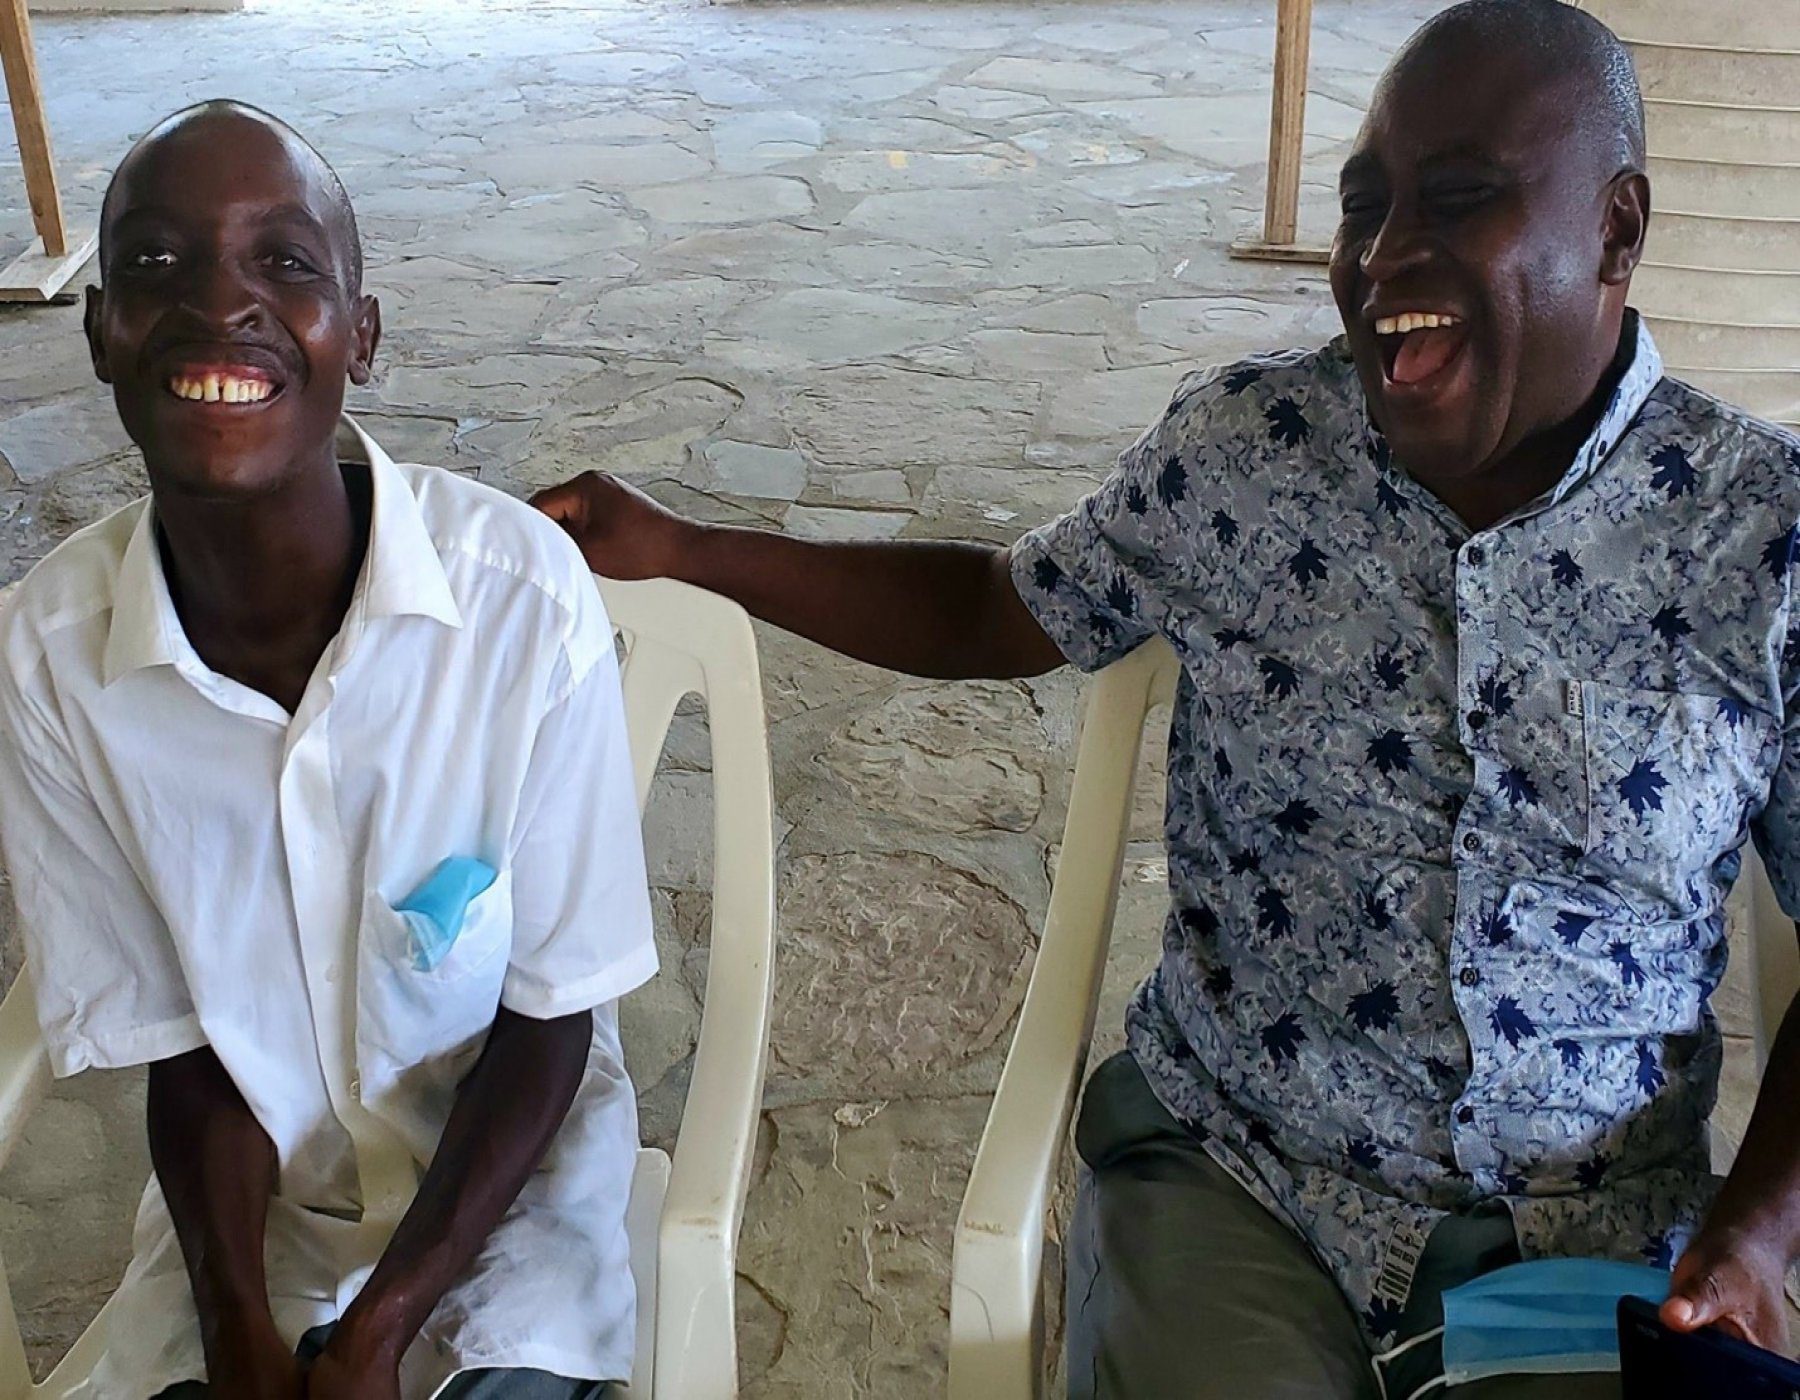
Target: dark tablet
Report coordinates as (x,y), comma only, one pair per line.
(1658,1364)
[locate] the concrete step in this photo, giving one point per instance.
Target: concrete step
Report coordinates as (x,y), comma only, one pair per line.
(1731,24)
(1771,394)
(1713,187)
(1747,245)
(1680,73)
(1741,135)
(1721,298)
(1713,346)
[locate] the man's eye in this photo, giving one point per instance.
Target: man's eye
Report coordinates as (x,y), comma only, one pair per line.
(1360,210)
(292,263)
(1460,197)
(151,259)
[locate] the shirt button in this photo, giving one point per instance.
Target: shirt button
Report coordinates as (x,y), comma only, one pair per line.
(1476,555)
(1471,842)
(356,1088)
(331,973)
(1465,1114)
(1478,719)
(1470,977)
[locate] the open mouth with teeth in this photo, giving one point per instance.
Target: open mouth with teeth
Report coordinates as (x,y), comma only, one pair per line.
(1418,347)
(222,386)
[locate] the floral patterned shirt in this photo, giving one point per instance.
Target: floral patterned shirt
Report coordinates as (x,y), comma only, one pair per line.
(1451,816)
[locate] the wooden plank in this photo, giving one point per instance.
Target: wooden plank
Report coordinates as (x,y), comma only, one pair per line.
(1287,119)
(27,97)
(1261,250)
(37,277)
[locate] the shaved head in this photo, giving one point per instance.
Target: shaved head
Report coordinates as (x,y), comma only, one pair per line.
(1556,43)
(205,118)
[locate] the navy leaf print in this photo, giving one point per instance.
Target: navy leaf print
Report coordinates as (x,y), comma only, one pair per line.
(1512,1022)
(1218,981)
(1390,671)
(1516,787)
(1631,971)
(1246,862)
(1224,528)
(1200,921)
(1389,499)
(1046,574)
(1733,712)
(1673,472)
(1120,598)
(1778,554)
(1376,1009)
(1172,483)
(1642,788)
(1135,500)
(1650,1077)
(1376,911)
(1241,379)
(1569,1051)
(1297,818)
(1222,763)
(1287,424)
(1495,695)
(1363,1153)
(1496,928)
(1564,569)
(1283,1037)
(1308,564)
(1390,753)
(1570,926)
(1279,679)
(1228,637)
(1659,1250)
(1442,1070)
(1671,624)
(1272,913)
(1382,1317)
(1591,1173)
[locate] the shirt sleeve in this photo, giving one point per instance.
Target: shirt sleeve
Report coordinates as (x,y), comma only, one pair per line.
(1776,831)
(1092,579)
(110,989)
(582,930)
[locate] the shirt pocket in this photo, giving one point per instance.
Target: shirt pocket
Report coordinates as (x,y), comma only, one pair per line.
(1672,778)
(407,1017)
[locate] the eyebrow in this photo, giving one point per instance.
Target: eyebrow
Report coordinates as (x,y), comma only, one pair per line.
(280,214)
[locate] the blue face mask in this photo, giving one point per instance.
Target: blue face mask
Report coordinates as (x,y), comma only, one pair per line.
(433,913)
(1545,1316)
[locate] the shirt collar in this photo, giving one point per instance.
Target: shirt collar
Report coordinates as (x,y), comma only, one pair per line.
(1642,375)
(402,575)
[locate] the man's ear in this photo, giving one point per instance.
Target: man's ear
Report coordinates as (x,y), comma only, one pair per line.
(1627,221)
(368,339)
(90,323)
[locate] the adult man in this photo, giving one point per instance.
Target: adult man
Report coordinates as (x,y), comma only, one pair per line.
(240,725)
(1482,624)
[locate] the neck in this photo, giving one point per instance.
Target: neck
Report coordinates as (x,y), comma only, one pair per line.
(1535,464)
(263,584)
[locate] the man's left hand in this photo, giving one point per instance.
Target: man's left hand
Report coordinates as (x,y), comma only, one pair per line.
(1731,1279)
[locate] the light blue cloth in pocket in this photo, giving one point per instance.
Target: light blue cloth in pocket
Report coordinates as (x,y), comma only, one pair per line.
(434,912)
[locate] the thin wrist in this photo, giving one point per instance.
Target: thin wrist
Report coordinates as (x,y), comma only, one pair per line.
(373,1331)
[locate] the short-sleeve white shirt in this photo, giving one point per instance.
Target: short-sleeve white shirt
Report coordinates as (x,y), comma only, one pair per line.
(194,866)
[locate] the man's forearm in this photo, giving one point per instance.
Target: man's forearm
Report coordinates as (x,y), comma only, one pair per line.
(1761,1197)
(505,1116)
(927,607)
(218,1170)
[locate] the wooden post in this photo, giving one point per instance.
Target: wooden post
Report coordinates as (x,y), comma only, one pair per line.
(1287,130)
(38,275)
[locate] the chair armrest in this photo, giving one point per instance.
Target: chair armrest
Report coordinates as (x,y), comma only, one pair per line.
(996,1302)
(24,1063)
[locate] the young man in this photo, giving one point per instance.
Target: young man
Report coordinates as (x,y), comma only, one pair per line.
(1489,661)
(244,721)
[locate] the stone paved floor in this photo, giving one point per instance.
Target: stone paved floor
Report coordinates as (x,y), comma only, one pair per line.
(883,269)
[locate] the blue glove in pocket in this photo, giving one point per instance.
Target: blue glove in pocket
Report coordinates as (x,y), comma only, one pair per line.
(434,912)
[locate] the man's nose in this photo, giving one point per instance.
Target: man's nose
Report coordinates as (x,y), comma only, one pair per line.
(217,293)
(1397,247)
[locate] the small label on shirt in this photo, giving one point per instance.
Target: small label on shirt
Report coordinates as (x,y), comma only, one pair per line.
(1400,1259)
(1572,699)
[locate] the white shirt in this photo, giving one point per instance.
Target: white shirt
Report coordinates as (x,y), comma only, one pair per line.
(196,867)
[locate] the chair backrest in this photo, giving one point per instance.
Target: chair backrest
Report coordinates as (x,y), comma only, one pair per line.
(680,641)
(675,641)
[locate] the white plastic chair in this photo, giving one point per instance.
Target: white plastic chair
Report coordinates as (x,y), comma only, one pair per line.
(684,1215)
(996,1289)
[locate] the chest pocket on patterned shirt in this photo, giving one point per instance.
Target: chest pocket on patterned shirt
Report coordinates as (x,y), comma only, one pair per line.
(1671,777)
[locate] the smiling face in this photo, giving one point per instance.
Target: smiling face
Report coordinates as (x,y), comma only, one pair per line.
(229,318)
(1482,261)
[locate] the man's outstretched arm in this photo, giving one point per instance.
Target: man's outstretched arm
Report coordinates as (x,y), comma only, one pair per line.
(505,1116)
(1735,1272)
(218,1171)
(925,607)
